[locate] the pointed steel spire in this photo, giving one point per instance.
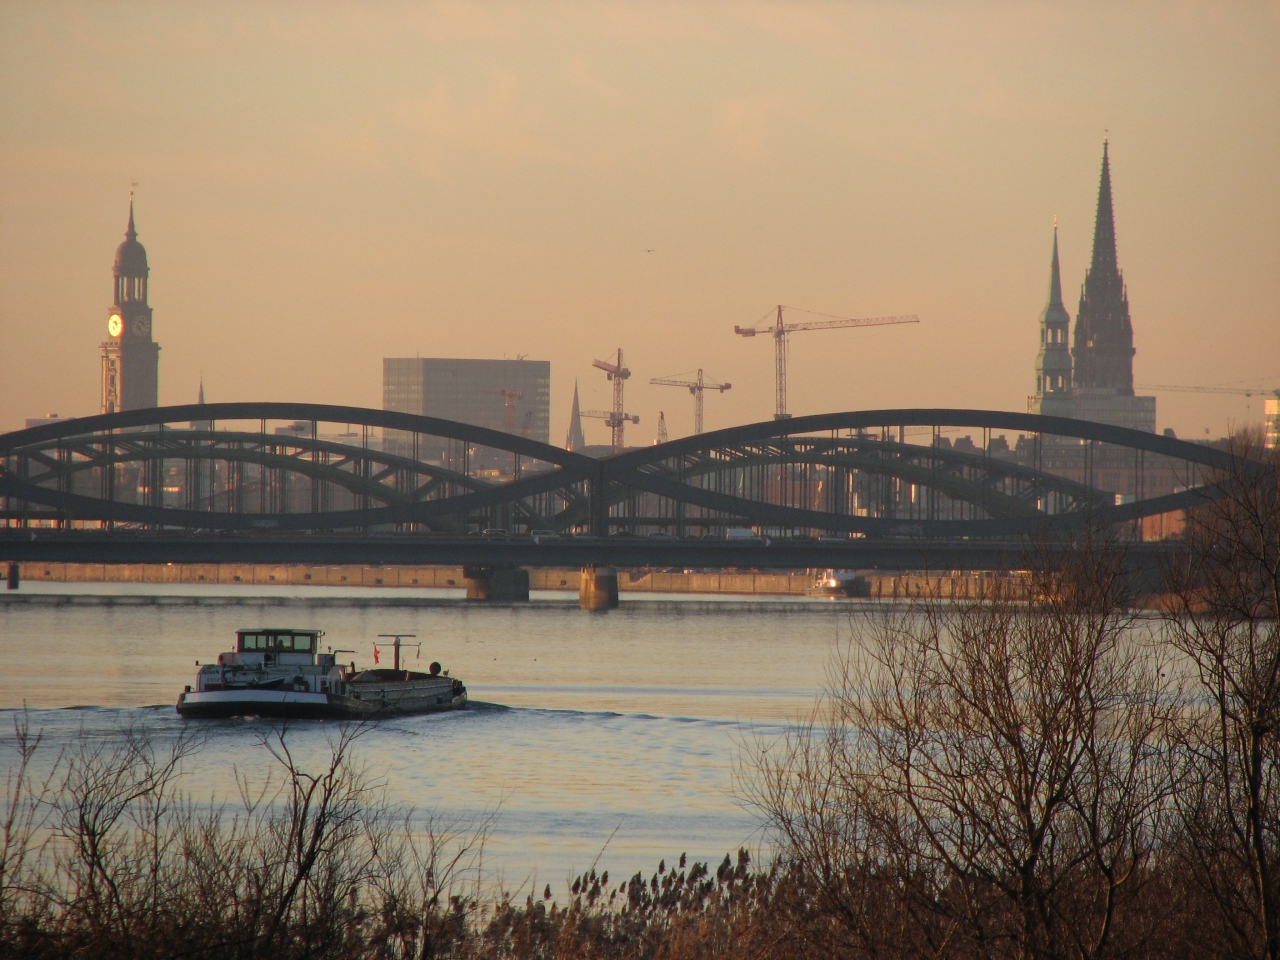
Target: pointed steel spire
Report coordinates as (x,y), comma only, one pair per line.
(1055,275)
(575,440)
(201,398)
(131,233)
(1104,229)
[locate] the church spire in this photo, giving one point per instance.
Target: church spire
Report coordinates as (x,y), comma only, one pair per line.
(131,357)
(1053,362)
(1104,228)
(1103,350)
(575,441)
(1055,275)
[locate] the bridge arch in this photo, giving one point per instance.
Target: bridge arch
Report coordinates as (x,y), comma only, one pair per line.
(881,473)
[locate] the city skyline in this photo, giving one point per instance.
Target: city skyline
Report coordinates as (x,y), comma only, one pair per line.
(440,219)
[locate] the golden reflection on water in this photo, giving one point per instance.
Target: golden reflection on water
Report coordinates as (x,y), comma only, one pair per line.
(629,720)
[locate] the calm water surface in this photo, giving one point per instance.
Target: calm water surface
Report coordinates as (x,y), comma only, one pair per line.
(582,724)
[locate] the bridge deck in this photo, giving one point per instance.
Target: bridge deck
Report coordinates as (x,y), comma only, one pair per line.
(861,553)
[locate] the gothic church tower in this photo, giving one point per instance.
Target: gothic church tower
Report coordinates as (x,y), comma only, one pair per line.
(1053,362)
(1093,380)
(1104,336)
(130,358)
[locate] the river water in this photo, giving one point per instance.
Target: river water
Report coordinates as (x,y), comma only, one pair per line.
(611,735)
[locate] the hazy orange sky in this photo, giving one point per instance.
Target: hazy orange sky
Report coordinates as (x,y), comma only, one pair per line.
(322,185)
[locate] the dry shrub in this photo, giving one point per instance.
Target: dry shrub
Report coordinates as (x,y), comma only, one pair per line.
(107,857)
(1226,621)
(983,780)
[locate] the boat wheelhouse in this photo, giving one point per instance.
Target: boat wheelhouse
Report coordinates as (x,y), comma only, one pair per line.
(281,672)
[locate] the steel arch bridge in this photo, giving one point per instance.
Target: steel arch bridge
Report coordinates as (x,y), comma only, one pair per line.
(297,467)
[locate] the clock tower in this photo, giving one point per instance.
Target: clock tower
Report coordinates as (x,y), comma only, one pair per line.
(130,358)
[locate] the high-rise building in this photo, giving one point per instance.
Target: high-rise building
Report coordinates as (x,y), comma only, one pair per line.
(1095,381)
(1271,423)
(513,396)
(130,358)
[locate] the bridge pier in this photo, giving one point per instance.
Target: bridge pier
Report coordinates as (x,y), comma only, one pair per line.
(497,583)
(599,589)
(14,576)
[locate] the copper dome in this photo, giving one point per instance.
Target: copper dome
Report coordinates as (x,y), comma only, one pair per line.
(131,256)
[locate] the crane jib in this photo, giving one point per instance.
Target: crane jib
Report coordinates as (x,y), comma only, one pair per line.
(780,330)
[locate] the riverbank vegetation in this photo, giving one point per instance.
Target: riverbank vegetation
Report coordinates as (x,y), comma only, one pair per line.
(1061,779)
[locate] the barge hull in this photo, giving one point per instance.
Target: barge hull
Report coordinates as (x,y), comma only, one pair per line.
(291,705)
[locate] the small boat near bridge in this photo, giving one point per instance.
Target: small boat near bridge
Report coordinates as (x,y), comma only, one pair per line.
(281,673)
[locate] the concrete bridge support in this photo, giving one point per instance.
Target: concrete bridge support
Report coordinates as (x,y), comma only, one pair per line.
(497,583)
(14,576)
(599,590)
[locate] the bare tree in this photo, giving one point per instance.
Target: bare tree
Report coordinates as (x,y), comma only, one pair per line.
(1226,619)
(111,814)
(25,816)
(985,779)
(107,856)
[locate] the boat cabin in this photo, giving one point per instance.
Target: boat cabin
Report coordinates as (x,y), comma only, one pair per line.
(277,645)
(277,641)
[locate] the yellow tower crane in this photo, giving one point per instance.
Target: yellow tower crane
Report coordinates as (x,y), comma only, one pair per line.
(695,387)
(615,419)
(781,331)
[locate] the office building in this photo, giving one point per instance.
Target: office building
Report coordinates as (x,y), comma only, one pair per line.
(511,396)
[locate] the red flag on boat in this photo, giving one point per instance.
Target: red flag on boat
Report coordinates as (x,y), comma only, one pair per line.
(375,653)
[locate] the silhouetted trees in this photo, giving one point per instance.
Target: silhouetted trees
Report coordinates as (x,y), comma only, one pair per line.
(1225,618)
(1064,777)
(987,778)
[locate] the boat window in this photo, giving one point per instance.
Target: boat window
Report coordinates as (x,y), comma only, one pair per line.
(278,642)
(296,642)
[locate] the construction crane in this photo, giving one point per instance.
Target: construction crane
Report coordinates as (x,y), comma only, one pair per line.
(696,387)
(1237,391)
(509,398)
(781,330)
(662,428)
(615,419)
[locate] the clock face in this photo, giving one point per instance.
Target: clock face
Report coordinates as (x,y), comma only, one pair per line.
(140,326)
(115,326)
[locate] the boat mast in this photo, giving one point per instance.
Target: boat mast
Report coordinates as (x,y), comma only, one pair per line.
(397,644)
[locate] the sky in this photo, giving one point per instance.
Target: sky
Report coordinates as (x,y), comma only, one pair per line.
(321,185)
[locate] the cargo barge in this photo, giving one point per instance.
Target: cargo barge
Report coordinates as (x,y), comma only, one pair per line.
(281,673)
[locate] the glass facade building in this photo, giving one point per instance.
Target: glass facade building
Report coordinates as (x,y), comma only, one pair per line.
(513,396)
